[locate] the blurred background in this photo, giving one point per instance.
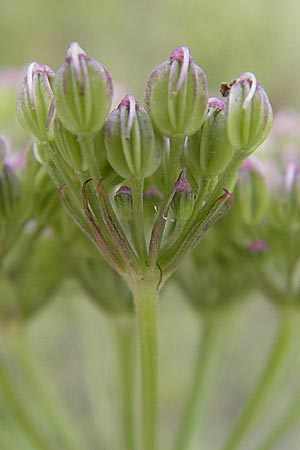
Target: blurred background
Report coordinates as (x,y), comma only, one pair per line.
(130,38)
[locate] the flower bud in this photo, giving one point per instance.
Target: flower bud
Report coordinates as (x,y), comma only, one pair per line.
(183,200)
(209,151)
(129,140)
(249,113)
(176,95)
(123,202)
(252,195)
(35,102)
(83,92)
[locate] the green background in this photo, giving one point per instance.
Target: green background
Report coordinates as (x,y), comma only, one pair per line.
(225,37)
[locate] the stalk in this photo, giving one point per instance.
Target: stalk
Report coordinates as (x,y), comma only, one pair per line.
(285,421)
(65,172)
(202,380)
(174,163)
(125,334)
(174,233)
(182,244)
(271,377)
(138,214)
(200,198)
(86,142)
(145,299)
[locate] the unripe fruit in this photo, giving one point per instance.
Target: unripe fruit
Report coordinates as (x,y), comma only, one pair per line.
(176,95)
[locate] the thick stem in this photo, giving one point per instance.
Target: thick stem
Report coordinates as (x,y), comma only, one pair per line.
(202,381)
(285,421)
(145,299)
(278,363)
(125,334)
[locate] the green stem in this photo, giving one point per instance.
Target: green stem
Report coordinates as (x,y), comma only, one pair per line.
(9,393)
(278,363)
(50,405)
(113,228)
(204,188)
(174,164)
(286,420)
(158,231)
(125,333)
(182,226)
(170,258)
(66,177)
(145,299)
(173,233)
(137,186)
(225,181)
(202,380)
(65,171)
(171,172)
(86,142)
